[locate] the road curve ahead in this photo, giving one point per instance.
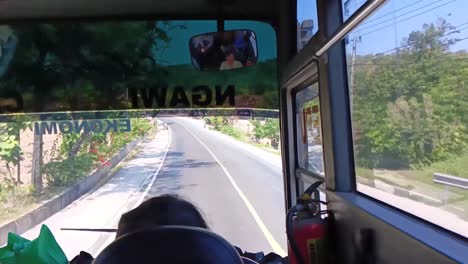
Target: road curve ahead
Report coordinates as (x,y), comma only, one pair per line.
(238,187)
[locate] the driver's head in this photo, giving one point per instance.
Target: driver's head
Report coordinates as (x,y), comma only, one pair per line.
(160,211)
(230,58)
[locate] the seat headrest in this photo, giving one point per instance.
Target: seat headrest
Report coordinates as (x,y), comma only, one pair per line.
(170,244)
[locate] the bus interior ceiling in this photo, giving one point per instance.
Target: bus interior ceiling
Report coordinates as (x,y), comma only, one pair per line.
(180,9)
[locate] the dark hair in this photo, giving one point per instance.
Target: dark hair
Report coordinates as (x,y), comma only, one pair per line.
(230,51)
(11,101)
(159,211)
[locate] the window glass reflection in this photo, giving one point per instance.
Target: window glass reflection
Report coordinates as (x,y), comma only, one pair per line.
(310,134)
(306,21)
(408,70)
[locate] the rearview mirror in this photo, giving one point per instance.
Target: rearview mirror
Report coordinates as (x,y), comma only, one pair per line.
(225,50)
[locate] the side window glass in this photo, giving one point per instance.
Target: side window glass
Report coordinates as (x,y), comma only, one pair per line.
(408,75)
(307,24)
(309,130)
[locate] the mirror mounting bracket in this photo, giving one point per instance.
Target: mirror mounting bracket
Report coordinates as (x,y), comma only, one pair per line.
(220,16)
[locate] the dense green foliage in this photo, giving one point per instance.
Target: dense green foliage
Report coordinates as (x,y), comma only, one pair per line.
(76,66)
(232,132)
(411,105)
(93,150)
(218,122)
(10,149)
(270,129)
(68,171)
(221,123)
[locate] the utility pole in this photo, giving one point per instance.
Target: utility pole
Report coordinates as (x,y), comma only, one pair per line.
(127,103)
(18,168)
(354,42)
(36,172)
(352,78)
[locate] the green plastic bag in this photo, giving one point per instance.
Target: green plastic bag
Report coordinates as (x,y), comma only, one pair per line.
(42,250)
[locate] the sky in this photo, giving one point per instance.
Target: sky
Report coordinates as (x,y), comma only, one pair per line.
(307,9)
(396,19)
(177,52)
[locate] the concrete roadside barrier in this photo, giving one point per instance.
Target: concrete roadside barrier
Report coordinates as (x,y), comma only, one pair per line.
(97,178)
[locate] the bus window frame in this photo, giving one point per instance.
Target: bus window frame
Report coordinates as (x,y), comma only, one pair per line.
(354,211)
(301,174)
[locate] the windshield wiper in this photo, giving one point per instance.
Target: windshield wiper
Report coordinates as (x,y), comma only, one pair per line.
(106,230)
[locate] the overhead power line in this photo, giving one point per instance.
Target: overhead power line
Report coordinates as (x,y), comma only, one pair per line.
(411,63)
(454,31)
(372,31)
(404,14)
(389,13)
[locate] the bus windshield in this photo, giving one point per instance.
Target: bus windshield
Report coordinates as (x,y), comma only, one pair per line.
(97,117)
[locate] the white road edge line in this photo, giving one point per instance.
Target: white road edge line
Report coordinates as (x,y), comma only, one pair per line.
(142,197)
(155,174)
(271,240)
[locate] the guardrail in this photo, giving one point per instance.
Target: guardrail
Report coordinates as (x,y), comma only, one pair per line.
(450,180)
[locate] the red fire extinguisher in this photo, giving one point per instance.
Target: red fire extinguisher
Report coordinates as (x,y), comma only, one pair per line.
(306,230)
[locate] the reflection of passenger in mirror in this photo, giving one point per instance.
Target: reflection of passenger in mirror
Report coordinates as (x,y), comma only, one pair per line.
(224,50)
(244,48)
(230,62)
(227,39)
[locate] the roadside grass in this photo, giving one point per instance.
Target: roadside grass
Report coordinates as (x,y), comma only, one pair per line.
(244,138)
(365,173)
(22,200)
(233,132)
(455,165)
(369,174)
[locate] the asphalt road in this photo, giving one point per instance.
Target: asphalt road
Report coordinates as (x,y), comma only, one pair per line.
(238,188)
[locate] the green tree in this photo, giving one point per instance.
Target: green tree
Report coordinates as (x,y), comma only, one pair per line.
(10,151)
(268,130)
(410,106)
(78,66)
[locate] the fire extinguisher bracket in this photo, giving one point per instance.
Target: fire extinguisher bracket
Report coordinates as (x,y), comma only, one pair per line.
(306,229)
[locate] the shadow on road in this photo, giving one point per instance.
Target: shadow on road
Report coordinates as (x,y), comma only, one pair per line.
(167,179)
